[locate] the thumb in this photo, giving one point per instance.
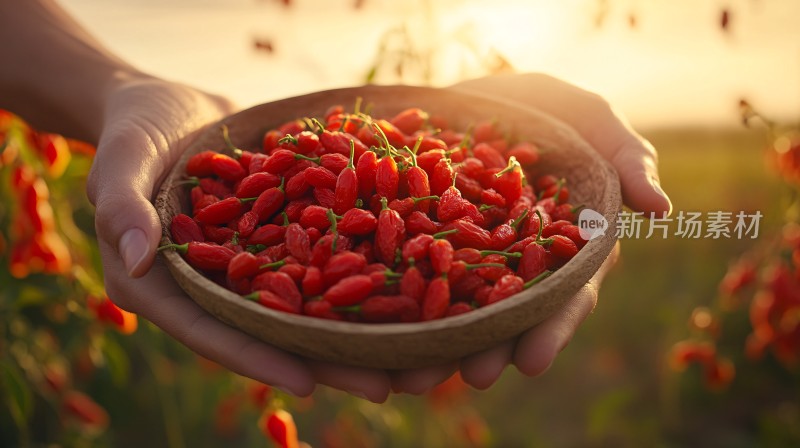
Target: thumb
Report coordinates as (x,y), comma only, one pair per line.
(121,184)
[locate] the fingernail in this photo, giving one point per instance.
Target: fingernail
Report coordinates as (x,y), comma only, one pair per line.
(359,394)
(297,391)
(657,186)
(543,371)
(133,249)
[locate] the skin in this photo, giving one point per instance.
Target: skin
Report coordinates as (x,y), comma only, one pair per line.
(71,84)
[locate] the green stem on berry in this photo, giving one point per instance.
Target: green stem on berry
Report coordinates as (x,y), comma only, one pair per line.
(226,136)
(537,279)
(500,252)
(444,233)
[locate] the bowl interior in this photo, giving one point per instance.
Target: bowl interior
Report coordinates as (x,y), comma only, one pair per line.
(591,179)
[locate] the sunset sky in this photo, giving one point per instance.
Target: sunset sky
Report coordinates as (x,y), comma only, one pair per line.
(676,66)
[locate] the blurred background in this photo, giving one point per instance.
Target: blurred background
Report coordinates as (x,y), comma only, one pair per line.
(695,342)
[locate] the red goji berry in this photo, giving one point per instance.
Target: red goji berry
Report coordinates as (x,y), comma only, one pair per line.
(321,309)
(564,212)
(468,235)
(319,177)
(441,256)
(213,186)
(492,274)
(442,176)
(297,242)
(573,232)
(357,222)
(279,160)
(436,300)
(458,308)
(282,285)
(294,208)
(491,197)
(268,235)
(417,247)
(200,164)
(257,163)
(526,153)
(204,256)
(412,284)
(227,168)
(339,142)
(555,228)
(389,234)
(271,300)
(269,202)
(312,282)
(452,206)
(387,178)
(296,271)
(468,255)
(562,247)
(297,186)
(242,265)
(506,286)
(410,120)
(418,222)
(366,169)
(81,407)
(307,142)
(349,291)
(315,216)
(217,234)
(270,140)
(503,236)
(276,252)
(324,197)
(508,182)
(184,229)
(532,262)
(342,265)
(346,186)
(247,224)
(490,157)
(255,184)
(323,249)
(382,308)
(465,288)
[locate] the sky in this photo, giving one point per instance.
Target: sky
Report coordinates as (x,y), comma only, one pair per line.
(675,67)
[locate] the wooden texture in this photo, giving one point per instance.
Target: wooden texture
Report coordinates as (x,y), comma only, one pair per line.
(591,179)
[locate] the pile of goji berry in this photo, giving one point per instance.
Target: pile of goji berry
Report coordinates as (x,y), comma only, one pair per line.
(364,219)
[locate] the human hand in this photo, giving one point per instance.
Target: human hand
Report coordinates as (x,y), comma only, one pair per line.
(148,124)
(636,162)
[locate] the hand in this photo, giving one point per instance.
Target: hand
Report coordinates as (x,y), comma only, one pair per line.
(636,162)
(148,124)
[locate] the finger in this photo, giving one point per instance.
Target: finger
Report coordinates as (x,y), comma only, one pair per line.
(482,369)
(420,381)
(157,298)
(369,384)
(537,348)
(120,185)
(636,162)
(607,131)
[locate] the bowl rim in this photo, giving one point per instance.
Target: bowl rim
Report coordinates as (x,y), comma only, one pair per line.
(594,252)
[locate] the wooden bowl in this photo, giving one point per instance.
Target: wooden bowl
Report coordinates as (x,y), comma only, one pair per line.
(592,182)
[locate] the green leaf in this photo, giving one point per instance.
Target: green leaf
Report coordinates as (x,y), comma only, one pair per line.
(117,361)
(20,401)
(605,411)
(30,296)
(370,78)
